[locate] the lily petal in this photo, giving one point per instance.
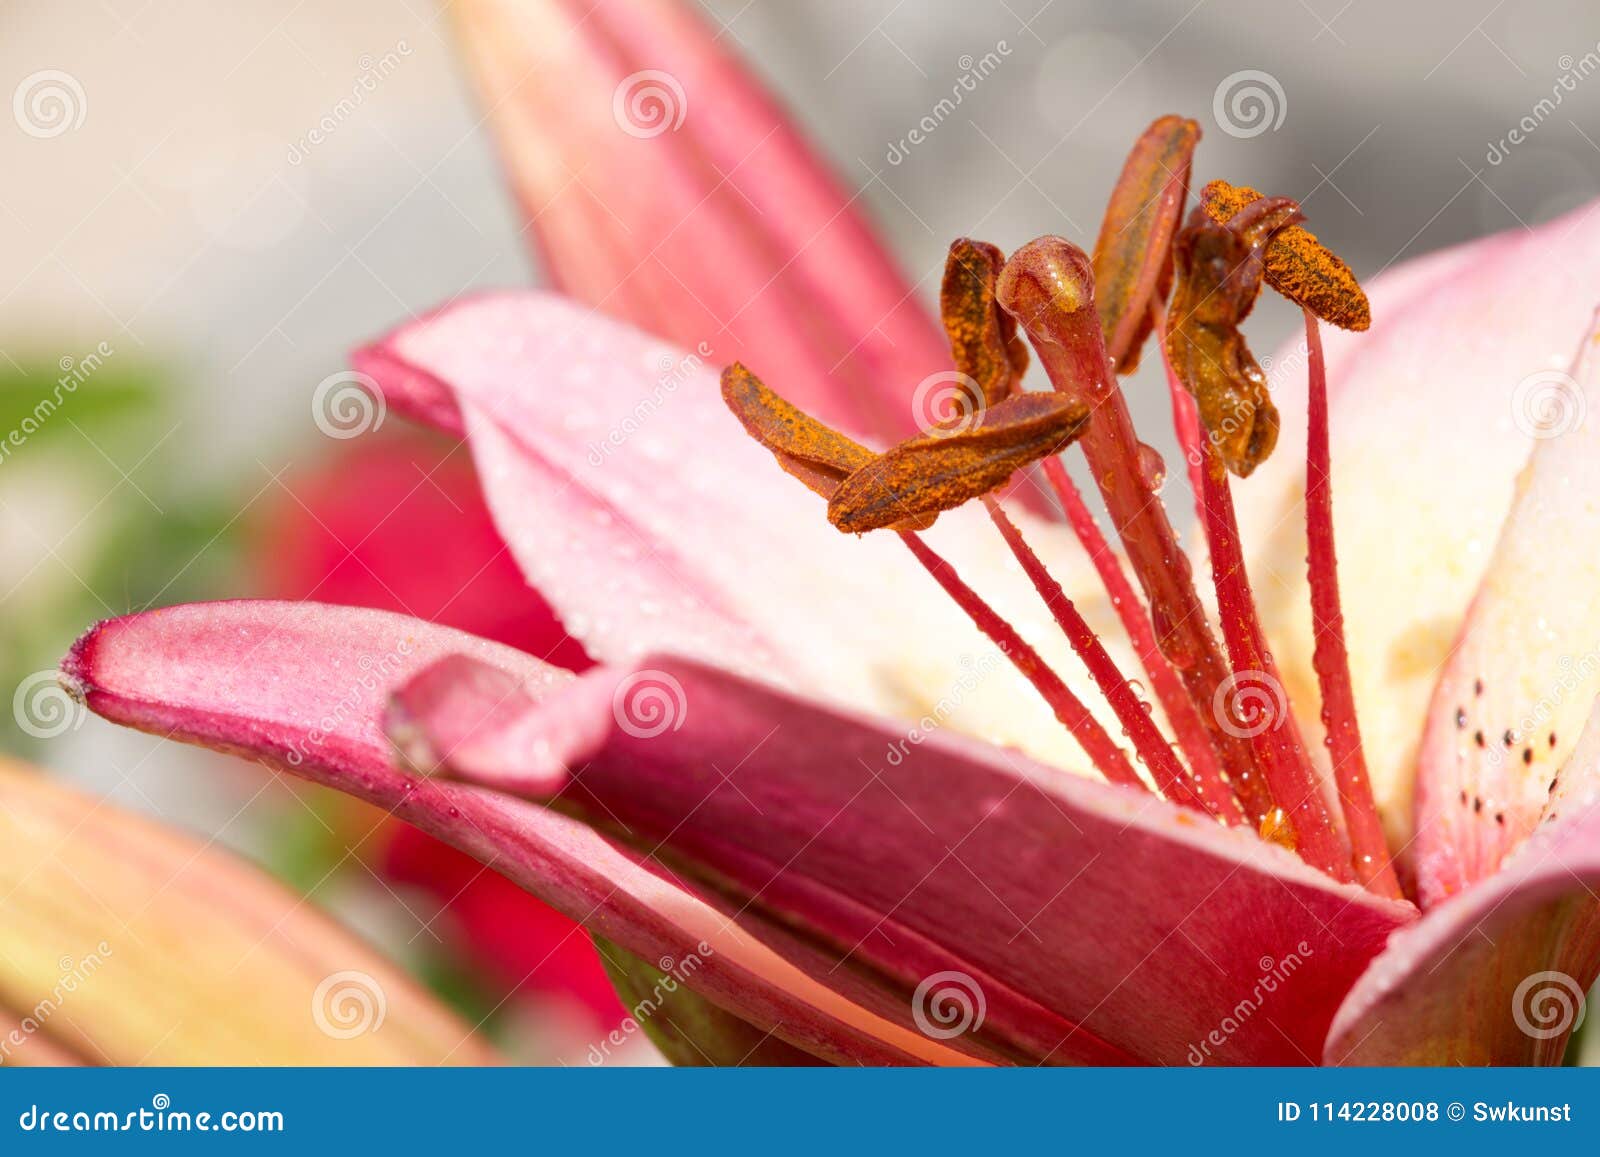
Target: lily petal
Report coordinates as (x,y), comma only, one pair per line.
(1497,974)
(647,517)
(1081,916)
(286,683)
(127,944)
(1526,668)
(1452,336)
(639,147)
(351,528)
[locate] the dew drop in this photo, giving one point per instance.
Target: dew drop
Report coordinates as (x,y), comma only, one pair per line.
(1152,470)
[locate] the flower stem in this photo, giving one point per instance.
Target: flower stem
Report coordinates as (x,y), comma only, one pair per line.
(1369,849)
(1108,758)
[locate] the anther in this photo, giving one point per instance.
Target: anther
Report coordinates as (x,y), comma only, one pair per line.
(955,461)
(983,338)
(1298,266)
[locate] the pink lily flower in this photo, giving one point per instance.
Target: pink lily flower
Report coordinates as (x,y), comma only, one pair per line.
(733,797)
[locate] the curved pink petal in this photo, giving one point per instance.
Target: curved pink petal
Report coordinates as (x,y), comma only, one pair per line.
(303,686)
(351,528)
(1453,335)
(637,505)
(1496,974)
(617,552)
(1080,911)
(663,186)
(1526,668)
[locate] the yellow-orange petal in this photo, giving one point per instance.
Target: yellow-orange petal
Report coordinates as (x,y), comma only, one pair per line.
(128,943)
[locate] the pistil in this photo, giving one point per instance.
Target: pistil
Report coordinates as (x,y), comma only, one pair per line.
(1047,286)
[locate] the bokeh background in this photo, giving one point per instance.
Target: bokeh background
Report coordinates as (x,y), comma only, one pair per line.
(178,246)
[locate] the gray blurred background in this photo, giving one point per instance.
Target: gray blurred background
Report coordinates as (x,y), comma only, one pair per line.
(161,219)
(172,220)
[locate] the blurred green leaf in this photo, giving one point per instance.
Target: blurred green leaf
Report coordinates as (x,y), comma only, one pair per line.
(71,427)
(42,400)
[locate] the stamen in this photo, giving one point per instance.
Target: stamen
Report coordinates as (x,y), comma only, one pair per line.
(955,461)
(1133,254)
(1108,758)
(1170,775)
(1219,277)
(1297,264)
(1048,286)
(1186,427)
(983,338)
(1219,270)
(1254,695)
(1186,721)
(1369,849)
(816,454)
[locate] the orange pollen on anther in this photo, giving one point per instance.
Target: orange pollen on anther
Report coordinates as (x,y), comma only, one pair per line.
(956,461)
(983,337)
(1298,266)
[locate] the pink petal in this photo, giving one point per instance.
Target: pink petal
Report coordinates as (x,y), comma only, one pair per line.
(639,508)
(665,187)
(303,686)
(350,528)
(1496,974)
(1526,668)
(1452,336)
(1084,913)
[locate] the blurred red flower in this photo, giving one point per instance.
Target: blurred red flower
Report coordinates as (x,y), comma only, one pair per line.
(350,530)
